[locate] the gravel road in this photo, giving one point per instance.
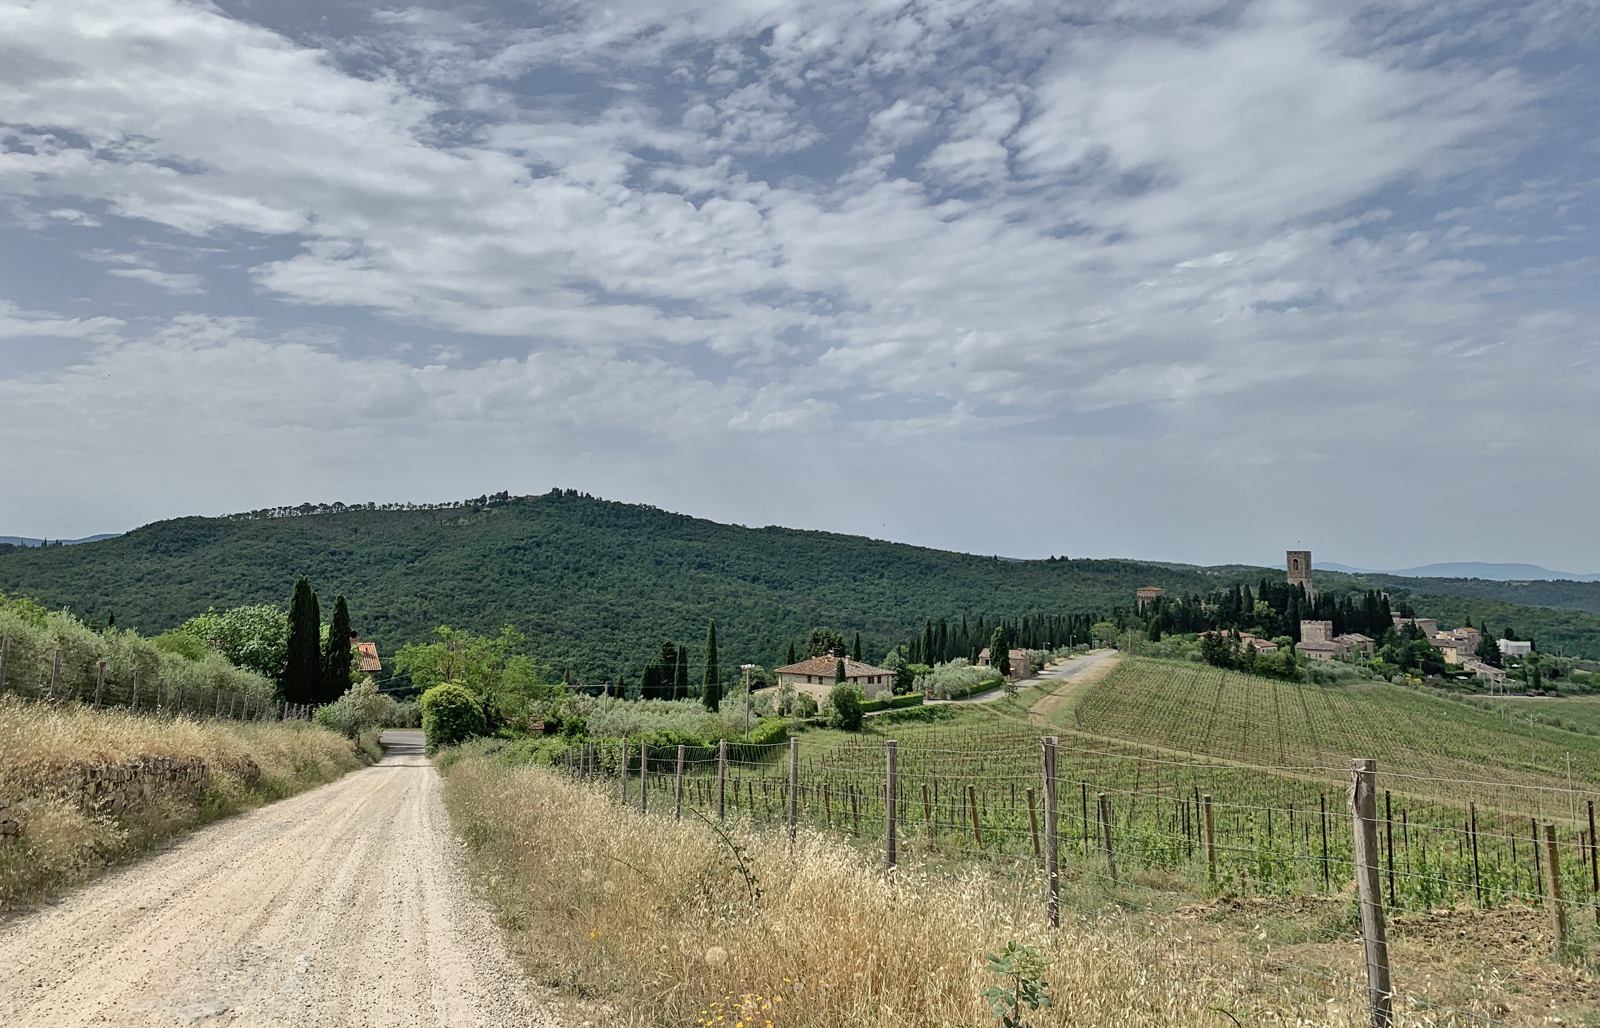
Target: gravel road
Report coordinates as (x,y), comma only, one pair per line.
(344,906)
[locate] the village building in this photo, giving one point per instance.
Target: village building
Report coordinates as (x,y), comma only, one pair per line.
(1356,641)
(1261,645)
(818,675)
(1149,594)
(1020,662)
(1514,647)
(1298,565)
(1487,672)
(1428,626)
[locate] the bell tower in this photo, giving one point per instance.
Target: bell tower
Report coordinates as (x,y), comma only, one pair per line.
(1298,563)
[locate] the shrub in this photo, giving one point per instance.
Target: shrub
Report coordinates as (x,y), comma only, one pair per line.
(956,679)
(910,699)
(844,705)
(450,714)
(362,709)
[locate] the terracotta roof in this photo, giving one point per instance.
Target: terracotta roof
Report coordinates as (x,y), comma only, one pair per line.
(369,656)
(829,666)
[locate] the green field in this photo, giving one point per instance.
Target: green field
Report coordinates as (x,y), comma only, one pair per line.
(1461,786)
(1196,709)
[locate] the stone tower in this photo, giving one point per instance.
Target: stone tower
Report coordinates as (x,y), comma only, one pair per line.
(1299,567)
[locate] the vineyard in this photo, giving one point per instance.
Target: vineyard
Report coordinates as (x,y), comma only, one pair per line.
(1184,780)
(1200,711)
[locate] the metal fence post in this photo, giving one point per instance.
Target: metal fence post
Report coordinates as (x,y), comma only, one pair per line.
(644,777)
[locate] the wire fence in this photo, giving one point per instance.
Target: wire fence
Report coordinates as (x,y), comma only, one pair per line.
(58,676)
(1122,817)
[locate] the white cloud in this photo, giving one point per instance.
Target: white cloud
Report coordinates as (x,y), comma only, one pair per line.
(16,323)
(826,223)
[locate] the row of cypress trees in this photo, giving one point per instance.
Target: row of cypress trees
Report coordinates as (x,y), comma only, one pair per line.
(315,673)
(667,677)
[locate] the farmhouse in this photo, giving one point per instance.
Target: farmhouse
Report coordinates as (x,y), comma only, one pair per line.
(1021,663)
(816,676)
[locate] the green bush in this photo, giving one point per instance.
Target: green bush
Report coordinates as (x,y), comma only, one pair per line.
(910,699)
(844,704)
(450,714)
(868,706)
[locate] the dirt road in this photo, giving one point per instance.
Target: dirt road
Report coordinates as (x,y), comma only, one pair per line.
(345,906)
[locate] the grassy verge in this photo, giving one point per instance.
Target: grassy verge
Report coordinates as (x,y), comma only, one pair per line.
(83,788)
(647,921)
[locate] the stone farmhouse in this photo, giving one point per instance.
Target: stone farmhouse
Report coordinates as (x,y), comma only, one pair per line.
(1318,642)
(816,676)
(1020,663)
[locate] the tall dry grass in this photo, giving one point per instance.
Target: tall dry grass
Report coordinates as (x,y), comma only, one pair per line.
(646,921)
(44,748)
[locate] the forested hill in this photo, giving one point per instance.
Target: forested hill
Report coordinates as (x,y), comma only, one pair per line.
(594,584)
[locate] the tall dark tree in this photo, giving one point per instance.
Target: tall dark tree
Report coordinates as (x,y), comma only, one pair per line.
(302,667)
(711,695)
(791,658)
(680,679)
(336,656)
(660,674)
(1489,651)
(1000,652)
(855,650)
(838,672)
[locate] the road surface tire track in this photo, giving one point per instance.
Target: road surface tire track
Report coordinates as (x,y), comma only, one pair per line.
(348,905)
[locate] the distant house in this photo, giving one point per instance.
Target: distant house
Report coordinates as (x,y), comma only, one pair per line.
(1149,593)
(1021,662)
(817,675)
(1514,647)
(1356,641)
(1261,645)
(1485,671)
(1428,626)
(367,661)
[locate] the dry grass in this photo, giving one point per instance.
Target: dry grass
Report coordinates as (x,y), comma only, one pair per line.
(644,921)
(44,748)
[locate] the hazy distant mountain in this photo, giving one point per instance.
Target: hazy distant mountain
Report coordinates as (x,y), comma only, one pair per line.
(1470,569)
(22,540)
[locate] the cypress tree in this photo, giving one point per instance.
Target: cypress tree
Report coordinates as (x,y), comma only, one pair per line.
(680,680)
(302,665)
(838,672)
(855,651)
(1000,652)
(791,659)
(711,696)
(336,656)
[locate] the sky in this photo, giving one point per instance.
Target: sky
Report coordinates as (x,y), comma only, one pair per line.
(1186,281)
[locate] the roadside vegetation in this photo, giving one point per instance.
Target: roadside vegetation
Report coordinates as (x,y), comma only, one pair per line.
(82,788)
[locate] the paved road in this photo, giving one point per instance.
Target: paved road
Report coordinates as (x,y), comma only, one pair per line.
(344,906)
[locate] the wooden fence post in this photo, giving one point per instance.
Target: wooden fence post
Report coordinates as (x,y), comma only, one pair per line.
(5,661)
(1104,806)
(972,812)
(622,771)
(218,712)
(927,817)
(1594,866)
(644,777)
(1033,824)
(1477,881)
(1558,909)
(890,754)
(1374,931)
(55,676)
(677,810)
(1211,841)
(1388,832)
(136,692)
(1052,841)
(794,786)
(722,778)
(1322,805)
(99,684)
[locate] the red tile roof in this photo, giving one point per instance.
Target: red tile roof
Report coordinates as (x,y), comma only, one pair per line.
(829,666)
